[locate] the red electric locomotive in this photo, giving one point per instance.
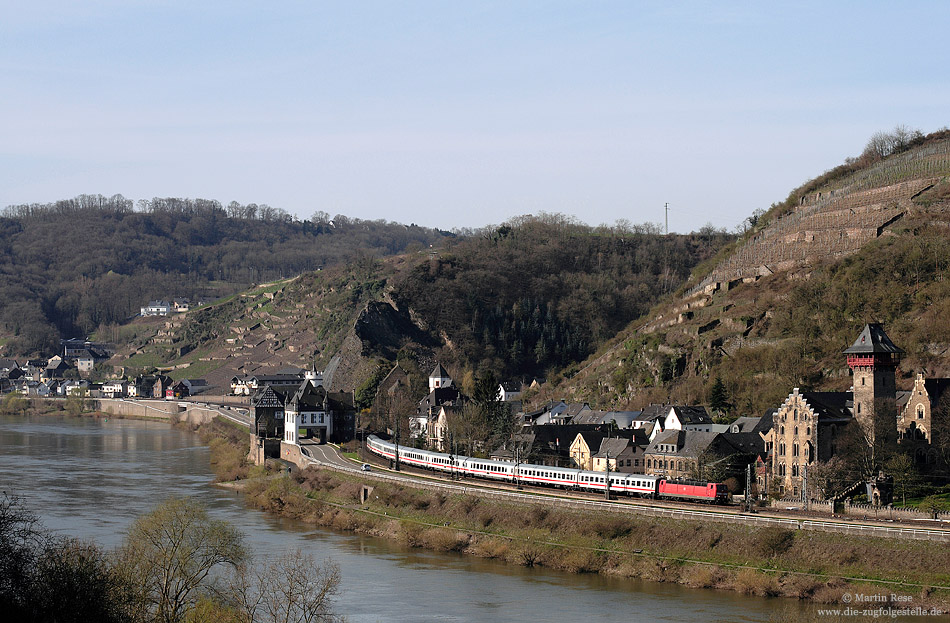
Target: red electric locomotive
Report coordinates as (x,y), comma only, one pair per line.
(712,492)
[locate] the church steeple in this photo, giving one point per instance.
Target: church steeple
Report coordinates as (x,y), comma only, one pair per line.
(439,378)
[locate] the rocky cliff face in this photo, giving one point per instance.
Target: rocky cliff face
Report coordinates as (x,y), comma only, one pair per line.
(383,330)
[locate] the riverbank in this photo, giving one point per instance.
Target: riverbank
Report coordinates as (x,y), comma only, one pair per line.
(817,567)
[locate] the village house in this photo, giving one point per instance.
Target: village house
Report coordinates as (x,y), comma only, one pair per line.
(548,444)
(675,454)
(509,391)
(267,412)
(307,413)
(588,451)
(674,417)
(56,368)
(10,369)
(35,388)
(557,413)
(241,385)
(683,454)
(621,454)
(585,446)
(283,412)
(156,308)
(85,361)
(437,432)
(115,389)
(150,386)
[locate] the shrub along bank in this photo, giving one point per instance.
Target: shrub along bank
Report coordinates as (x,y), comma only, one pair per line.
(768,562)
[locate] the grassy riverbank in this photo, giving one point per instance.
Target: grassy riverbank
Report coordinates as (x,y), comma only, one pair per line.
(761,561)
(814,566)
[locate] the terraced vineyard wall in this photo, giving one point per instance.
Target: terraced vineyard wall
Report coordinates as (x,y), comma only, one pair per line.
(833,222)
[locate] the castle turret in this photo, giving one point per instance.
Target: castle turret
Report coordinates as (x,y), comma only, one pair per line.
(873,359)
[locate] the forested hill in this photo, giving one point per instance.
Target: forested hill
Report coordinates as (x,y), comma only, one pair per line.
(530,298)
(70,267)
(539,294)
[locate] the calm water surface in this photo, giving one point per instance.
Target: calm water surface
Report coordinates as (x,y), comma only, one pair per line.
(91,478)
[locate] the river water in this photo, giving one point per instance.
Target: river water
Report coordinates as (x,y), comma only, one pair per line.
(90,478)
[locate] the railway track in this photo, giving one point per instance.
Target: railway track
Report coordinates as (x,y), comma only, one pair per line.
(415,477)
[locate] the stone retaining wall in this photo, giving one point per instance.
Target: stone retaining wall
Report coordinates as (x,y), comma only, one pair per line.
(155,409)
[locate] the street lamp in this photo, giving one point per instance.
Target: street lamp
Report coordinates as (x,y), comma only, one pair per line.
(451,457)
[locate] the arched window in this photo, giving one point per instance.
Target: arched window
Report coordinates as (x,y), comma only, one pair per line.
(796,431)
(795,449)
(781,430)
(795,470)
(781,449)
(859,406)
(920,412)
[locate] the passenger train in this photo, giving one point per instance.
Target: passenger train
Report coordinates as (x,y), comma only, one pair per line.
(561,477)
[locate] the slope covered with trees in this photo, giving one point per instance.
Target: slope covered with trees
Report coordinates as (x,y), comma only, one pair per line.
(530,298)
(70,267)
(539,294)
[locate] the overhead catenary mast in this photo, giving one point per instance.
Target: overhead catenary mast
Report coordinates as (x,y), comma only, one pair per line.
(666,208)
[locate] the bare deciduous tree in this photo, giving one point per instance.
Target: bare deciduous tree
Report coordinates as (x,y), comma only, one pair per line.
(291,588)
(170,553)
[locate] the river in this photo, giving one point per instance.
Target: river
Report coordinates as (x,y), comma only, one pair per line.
(90,478)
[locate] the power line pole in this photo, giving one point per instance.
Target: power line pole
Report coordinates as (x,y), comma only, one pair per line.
(397,443)
(748,487)
(805,486)
(666,208)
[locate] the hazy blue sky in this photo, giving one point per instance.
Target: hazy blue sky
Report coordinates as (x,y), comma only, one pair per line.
(456,114)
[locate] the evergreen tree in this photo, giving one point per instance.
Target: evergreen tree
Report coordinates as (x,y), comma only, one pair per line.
(719,396)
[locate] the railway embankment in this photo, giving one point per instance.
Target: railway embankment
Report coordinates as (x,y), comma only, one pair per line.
(768,561)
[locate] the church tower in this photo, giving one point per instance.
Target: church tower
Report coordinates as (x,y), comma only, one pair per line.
(873,359)
(439,378)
